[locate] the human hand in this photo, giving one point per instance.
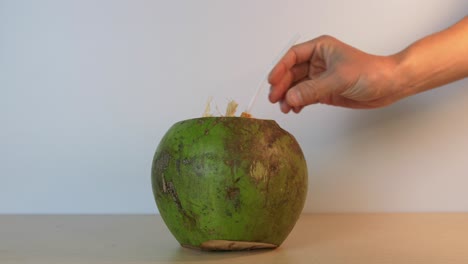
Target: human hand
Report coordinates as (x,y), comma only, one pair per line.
(326,70)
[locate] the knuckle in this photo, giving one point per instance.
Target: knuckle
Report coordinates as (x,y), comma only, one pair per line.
(326,38)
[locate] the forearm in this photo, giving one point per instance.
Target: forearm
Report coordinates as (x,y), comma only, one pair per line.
(435,60)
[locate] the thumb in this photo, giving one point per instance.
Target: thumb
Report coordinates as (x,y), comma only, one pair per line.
(310,92)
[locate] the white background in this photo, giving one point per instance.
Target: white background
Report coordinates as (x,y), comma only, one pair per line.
(88,88)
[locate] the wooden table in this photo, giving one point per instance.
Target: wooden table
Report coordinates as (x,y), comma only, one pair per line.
(317,238)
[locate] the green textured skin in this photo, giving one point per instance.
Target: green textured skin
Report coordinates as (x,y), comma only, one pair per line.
(229,178)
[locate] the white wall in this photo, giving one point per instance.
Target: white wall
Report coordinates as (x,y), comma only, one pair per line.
(88,88)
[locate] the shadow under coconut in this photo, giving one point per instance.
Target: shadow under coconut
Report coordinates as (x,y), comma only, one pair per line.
(195,255)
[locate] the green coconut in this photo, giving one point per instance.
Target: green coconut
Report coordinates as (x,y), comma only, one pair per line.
(229,183)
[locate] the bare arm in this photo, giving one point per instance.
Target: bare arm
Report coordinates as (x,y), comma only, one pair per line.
(435,60)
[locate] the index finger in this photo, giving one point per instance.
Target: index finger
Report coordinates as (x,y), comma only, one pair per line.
(297,54)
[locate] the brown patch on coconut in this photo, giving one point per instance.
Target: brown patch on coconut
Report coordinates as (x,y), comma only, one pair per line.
(229,245)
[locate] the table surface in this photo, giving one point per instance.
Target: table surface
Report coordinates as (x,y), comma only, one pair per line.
(316,238)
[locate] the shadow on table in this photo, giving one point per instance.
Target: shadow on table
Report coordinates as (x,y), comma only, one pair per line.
(193,255)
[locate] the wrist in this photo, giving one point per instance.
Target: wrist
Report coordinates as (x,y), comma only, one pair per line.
(404,75)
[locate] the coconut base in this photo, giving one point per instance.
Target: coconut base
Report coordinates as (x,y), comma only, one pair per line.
(228,245)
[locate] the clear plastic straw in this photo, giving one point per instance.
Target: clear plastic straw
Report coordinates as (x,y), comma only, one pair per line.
(264,81)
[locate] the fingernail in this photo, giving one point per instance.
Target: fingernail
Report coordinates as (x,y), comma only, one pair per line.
(294,97)
(284,106)
(270,95)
